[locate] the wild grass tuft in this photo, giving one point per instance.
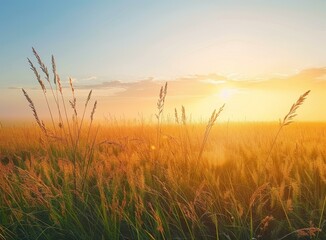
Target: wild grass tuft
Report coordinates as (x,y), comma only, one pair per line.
(70,130)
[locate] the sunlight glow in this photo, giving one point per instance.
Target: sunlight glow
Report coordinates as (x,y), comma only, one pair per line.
(213,81)
(227,93)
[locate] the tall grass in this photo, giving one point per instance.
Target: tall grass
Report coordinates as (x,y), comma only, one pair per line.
(71,181)
(69,132)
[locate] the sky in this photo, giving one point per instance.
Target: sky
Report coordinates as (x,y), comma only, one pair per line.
(255,56)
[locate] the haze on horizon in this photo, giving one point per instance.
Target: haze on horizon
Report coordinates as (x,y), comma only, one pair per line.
(256,57)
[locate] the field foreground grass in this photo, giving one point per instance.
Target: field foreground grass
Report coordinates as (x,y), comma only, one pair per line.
(143,181)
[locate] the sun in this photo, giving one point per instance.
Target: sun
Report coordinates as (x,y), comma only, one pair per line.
(227,93)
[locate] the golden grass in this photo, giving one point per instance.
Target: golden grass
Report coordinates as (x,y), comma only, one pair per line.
(227,183)
(160,181)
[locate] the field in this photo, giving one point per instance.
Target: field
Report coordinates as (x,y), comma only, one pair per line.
(137,189)
(77,178)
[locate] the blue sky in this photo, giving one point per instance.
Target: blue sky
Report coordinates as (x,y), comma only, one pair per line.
(136,39)
(100,41)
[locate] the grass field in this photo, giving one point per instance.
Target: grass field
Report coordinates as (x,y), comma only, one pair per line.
(135,189)
(74,178)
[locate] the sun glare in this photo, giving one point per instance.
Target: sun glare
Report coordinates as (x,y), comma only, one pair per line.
(227,93)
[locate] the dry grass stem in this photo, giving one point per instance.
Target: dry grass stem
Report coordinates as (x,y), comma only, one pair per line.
(209,126)
(183,115)
(32,106)
(288,119)
(93,111)
(42,65)
(176,117)
(38,77)
(54,70)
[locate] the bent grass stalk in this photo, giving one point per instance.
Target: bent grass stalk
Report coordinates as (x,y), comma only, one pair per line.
(32,106)
(288,119)
(209,126)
